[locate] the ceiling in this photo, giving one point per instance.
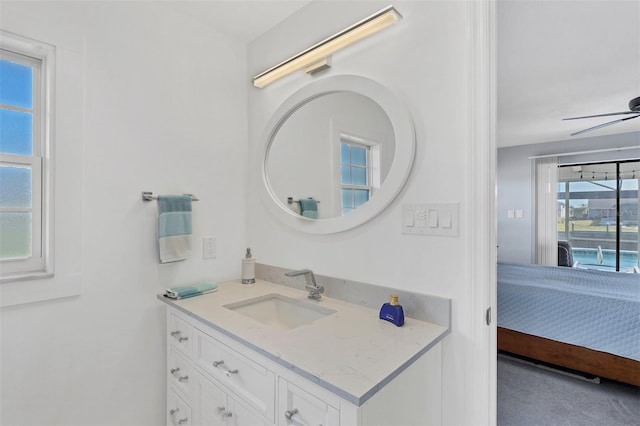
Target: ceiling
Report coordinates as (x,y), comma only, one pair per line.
(242,19)
(556,59)
(560,59)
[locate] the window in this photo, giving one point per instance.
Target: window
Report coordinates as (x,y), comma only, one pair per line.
(355,175)
(598,213)
(24,165)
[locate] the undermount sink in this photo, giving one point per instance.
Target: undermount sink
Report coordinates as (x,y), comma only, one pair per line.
(279,311)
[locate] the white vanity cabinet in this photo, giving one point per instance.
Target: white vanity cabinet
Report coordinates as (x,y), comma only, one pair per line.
(214,379)
(207,380)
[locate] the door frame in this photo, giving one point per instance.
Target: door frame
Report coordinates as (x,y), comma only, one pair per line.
(482,161)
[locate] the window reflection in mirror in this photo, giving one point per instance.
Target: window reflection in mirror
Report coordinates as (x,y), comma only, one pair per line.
(358,172)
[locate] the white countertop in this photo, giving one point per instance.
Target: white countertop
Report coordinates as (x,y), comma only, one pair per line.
(352,353)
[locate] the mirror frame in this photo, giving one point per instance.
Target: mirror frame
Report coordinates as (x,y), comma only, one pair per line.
(404,154)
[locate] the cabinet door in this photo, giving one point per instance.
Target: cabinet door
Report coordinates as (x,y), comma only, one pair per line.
(298,407)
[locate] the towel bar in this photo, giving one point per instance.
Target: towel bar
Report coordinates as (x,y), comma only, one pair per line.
(148,196)
(290,200)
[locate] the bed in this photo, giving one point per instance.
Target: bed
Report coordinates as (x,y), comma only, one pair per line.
(584,320)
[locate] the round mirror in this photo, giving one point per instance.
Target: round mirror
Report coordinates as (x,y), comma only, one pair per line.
(335,150)
(336,153)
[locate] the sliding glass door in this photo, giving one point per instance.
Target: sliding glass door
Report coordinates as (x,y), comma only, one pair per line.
(598,214)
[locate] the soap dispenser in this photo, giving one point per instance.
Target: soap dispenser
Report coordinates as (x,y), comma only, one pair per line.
(248,268)
(392,311)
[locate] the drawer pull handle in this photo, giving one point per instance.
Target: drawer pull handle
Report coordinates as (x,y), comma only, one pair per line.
(173,372)
(181,421)
(224,413)
(177,333)
(221,363)
(290,413)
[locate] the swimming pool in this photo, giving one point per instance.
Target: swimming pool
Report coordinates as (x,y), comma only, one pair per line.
(588,257)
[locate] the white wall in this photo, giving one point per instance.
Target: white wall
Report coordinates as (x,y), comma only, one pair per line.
(424,59)
(515,185)
(164,111)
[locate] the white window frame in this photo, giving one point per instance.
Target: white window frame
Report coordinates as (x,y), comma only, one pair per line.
(373,166)
(41,57)
(614,179)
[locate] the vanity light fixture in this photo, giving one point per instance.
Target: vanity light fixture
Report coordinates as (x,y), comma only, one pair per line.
(316,57)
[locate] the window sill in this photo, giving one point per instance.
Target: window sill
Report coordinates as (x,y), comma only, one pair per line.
(23,291)
(26,276)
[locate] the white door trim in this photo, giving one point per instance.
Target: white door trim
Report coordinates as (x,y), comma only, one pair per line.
(482,200)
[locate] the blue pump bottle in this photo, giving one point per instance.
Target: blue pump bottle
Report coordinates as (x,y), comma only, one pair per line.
(392,311)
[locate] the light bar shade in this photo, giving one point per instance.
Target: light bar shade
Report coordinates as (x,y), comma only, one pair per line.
(325,48)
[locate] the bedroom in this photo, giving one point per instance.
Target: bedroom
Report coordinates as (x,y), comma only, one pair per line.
(567,71)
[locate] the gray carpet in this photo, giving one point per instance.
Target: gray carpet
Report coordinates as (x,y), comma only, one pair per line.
(529,395)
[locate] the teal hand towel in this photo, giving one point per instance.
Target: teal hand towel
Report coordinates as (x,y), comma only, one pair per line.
(309,208)
(174,227)
(185,292)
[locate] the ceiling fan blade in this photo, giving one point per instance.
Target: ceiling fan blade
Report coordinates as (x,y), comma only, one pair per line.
(602,115)
(605,124)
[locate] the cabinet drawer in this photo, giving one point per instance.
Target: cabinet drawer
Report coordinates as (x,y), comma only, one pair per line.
(180,334)
(298,407)
(254,384)
(178,411)
(180,373)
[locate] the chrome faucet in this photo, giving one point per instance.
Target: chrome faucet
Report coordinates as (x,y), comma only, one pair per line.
(315,291)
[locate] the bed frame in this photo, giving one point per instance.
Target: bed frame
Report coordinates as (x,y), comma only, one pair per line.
(577,358)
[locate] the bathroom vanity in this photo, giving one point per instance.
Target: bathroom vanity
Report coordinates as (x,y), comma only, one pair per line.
(265,354)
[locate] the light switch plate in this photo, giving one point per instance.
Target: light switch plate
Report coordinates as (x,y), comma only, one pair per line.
(431,219)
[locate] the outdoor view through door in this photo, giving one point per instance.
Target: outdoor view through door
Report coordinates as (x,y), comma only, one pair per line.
(598,214)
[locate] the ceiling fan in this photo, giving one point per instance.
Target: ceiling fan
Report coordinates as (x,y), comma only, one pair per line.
(634,111)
